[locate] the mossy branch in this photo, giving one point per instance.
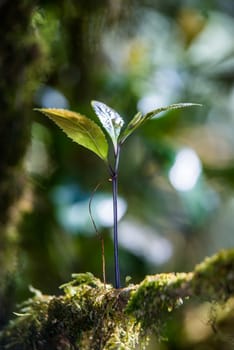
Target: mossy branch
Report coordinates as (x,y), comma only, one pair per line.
(90,315)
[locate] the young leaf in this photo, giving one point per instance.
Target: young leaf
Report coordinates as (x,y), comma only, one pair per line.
(80,129)
(153,113)
(110,120)
(139,119)
(133,125)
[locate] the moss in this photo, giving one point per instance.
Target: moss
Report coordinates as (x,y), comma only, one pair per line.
(213,279)
(155,298)
(26,327)
(91,315)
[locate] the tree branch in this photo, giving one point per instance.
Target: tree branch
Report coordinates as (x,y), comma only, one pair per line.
(91,316)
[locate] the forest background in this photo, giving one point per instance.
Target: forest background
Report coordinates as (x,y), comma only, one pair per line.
(176,174)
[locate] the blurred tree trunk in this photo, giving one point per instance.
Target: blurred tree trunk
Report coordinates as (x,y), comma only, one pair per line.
(82,25)
(20,57)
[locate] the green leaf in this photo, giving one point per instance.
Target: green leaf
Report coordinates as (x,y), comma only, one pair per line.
(153,113)
(140,119)
(110,119)
(80,129)
(133,125)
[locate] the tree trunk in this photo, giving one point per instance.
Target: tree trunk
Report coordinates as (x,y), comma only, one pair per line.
(20,57)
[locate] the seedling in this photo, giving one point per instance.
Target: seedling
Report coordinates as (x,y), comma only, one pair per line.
(88,134)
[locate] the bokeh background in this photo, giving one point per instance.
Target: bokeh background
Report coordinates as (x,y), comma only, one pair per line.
(176,191)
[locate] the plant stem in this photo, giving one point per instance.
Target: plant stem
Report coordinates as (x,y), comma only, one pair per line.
(114,177)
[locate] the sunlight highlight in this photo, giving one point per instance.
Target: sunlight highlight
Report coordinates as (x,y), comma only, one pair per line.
(186,170)
(143,241)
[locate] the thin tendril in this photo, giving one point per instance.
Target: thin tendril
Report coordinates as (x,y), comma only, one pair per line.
(98,234)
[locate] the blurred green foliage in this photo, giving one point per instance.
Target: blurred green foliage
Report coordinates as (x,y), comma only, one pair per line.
(176,174)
